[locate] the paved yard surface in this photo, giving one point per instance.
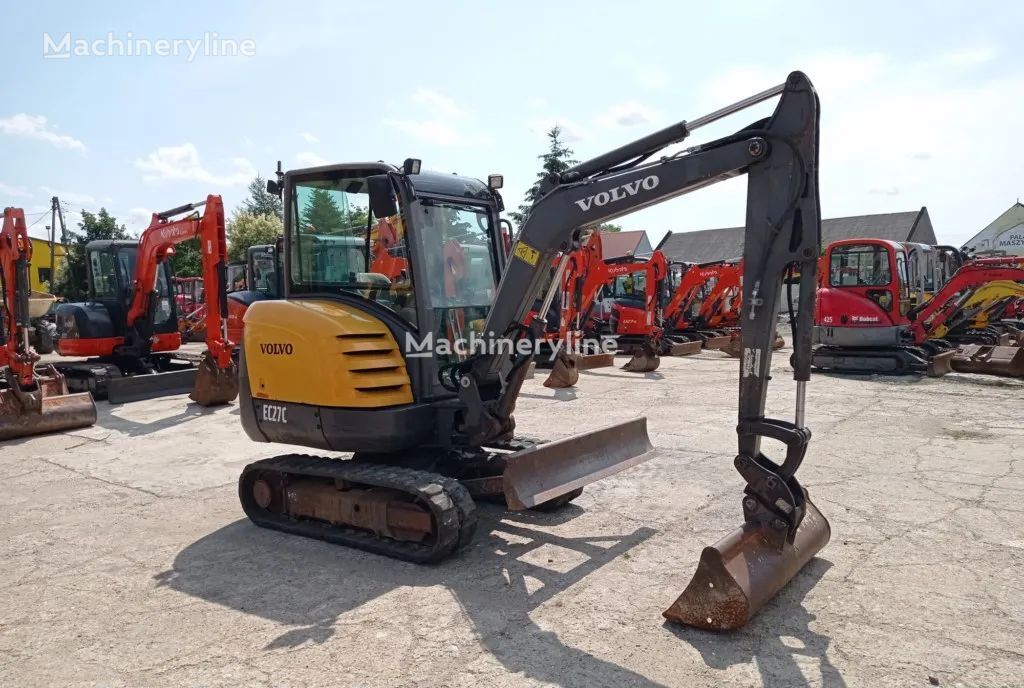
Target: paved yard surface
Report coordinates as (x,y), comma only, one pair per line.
(126,560)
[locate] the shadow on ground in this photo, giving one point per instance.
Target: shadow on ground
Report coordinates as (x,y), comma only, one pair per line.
(779,634)
(309,585)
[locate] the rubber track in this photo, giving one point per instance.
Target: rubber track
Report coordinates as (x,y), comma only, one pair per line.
(450,503)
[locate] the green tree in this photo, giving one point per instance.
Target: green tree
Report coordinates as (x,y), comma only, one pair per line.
(556,160)
(245,230)
(321,215)
(71,282)
(608,227)
(261,202)
(187,260)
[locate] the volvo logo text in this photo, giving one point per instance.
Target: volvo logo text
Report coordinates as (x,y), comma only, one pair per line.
(619,193)
(276,349)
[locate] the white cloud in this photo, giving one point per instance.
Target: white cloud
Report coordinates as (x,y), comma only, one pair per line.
(442,122)
(182,163)
(13,191)
(883,149)
(309,138)
(628,114)
(440,104)
(139,218)
(36,127)
(970,57)
(308,159)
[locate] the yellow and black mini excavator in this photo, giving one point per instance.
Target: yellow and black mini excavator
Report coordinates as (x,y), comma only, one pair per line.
(353,360)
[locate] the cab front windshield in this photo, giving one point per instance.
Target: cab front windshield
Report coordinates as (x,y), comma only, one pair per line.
(339,246)
(858,265)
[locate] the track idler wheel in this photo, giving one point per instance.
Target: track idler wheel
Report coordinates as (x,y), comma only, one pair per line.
(645,359)
(564,372)
(215,386)
(741,572)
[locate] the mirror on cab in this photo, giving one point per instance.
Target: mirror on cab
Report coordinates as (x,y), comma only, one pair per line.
(382,195)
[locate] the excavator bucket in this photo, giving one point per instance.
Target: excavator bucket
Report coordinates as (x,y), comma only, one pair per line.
(544,472)
(738,574)
(215,386)
(48,409)
(645,359)
(1007,361)
(564,372)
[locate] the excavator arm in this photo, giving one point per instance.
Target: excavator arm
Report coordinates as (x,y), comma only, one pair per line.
(782,529)
(217,377)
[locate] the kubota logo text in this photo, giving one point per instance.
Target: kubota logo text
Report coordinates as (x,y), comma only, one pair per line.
(276,349)
(619,193)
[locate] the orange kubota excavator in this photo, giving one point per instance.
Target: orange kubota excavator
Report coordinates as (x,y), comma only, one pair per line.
(34,399)
(129,326)
(695,296)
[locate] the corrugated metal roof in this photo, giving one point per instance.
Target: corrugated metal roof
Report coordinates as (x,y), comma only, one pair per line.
(718,244)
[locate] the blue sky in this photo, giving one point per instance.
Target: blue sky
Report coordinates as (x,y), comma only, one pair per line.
(922,102)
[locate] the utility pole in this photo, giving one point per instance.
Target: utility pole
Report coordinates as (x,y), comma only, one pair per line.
(54,204)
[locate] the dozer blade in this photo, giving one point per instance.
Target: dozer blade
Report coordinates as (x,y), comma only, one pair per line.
(542,473)
(738,574)
(717,341)
(58,413)
(681,348)
(121,390)
(1007,361)
(645,359)
(564,372)
(215,386)
(591,361)
(941,363)
(733,347)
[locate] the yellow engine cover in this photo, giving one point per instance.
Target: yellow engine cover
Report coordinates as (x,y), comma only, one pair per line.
(323,353)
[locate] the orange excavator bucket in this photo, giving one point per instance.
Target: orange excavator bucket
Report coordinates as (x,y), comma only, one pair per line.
(47,408)
(215,386)
(737,575)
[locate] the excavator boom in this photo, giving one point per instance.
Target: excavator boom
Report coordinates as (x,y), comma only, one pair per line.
(783,529)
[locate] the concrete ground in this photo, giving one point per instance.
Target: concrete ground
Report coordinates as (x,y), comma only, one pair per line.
(126,560)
